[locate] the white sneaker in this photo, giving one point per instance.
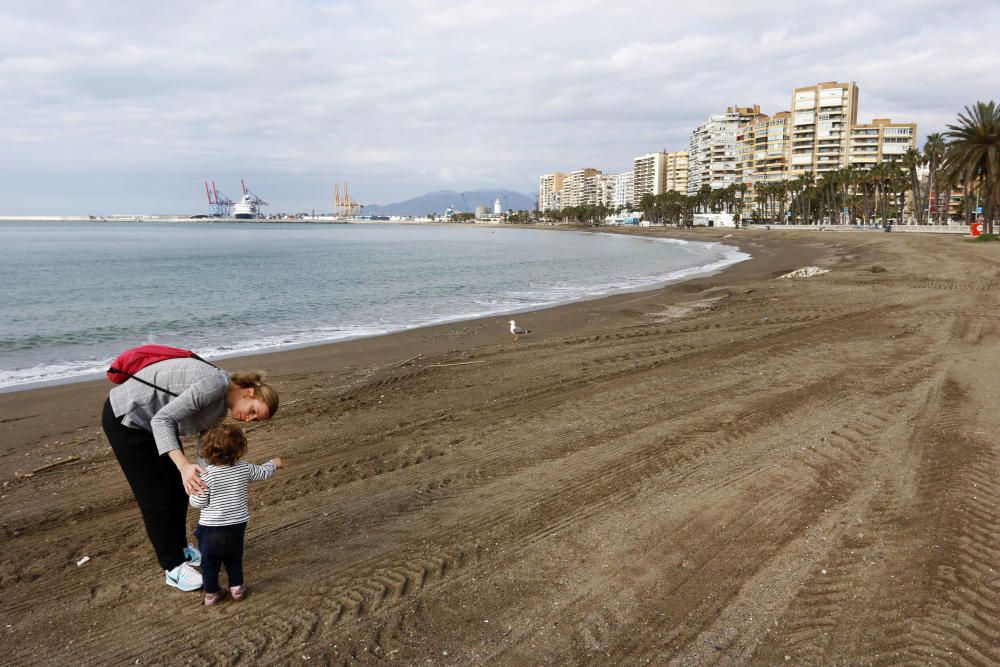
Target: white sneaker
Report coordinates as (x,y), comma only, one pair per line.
(184,577)
(192,555)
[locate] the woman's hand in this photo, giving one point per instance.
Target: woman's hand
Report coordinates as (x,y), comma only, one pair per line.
(278,463)
(193,484)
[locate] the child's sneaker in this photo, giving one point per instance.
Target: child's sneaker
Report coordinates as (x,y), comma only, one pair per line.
(192,555)
(215,598)
(184,577)
(237,592)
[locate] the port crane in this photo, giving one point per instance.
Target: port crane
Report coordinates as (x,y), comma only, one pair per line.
(258,203)
(219,204)
(344,206)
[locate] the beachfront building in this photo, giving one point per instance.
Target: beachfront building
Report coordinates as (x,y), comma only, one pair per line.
(675,175)
(820,135)
(616,191)
(550,190)
(581,188)
(657,173)
(623,197)
(762,153)
(647,174)
(712,151)
(822,116)
(606,190)
(880,141)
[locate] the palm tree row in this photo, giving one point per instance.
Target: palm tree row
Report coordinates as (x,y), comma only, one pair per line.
(972,160)
(852,194)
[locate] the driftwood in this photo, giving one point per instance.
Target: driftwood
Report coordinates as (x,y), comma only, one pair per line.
(460,363)
(47,466)
(56,464)
(403,363)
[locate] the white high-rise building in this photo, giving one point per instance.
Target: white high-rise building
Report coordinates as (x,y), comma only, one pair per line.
(623,197)
(713,150)
(497,207)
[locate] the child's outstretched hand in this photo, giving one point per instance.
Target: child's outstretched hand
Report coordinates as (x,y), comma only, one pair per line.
(278,463)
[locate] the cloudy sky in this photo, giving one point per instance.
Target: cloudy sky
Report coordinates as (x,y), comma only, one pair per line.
(119,107)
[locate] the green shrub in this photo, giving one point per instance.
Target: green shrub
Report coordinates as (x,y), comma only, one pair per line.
(984,237)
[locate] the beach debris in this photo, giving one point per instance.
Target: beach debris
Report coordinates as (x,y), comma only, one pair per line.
(459,363)
(55,464)
(82,561)
(406,361)
(877,269)
(805,272)
(518,331)
(47,466)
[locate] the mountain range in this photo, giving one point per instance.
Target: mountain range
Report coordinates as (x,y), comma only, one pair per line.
(467,201)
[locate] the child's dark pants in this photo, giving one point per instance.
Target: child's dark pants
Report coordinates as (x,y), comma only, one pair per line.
(221,545)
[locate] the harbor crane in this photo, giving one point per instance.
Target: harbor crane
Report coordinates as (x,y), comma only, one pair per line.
(258,203)
(219,204)
(344,207)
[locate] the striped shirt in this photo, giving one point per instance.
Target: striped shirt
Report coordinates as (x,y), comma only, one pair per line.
(225,503)
(199,404)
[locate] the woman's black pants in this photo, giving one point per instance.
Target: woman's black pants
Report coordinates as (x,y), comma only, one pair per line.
(157,487)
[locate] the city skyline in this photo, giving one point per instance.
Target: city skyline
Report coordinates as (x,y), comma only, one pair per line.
(111,109)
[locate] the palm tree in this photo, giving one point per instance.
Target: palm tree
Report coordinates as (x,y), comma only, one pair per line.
(912,161)
(974,153)
(647,204)
(934,150)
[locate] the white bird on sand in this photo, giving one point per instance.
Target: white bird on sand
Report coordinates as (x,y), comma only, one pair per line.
(517,331)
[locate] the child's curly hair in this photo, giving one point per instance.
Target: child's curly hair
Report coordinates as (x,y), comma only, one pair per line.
(223,445)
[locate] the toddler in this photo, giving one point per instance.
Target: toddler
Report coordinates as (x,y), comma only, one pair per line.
(224,507)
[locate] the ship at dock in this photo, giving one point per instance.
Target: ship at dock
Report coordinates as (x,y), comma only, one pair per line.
(249,207)
(245,209)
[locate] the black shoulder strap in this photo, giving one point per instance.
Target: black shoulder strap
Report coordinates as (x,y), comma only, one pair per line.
(156,387)
(149,384)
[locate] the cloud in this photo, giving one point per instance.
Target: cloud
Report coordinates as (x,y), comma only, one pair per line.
(138,103)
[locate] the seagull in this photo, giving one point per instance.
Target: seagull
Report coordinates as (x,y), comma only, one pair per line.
(516,330)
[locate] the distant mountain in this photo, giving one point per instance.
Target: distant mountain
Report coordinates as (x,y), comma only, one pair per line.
(438,203)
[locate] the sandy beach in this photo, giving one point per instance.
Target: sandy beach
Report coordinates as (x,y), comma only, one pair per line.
(735,469)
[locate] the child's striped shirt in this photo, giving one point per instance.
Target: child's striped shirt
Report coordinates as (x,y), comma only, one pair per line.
(225,503)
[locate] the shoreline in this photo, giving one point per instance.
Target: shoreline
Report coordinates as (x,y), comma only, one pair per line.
(733,255)
(18,404)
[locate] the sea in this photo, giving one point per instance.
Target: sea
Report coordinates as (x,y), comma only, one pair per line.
(75,294)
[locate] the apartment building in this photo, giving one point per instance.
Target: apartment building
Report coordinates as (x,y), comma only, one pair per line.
(880,141)
(657,173)
(762,153)
(712,151)
(822,116)
(647,175)
(617,191)
(581,188)
(675,173)
(550,191)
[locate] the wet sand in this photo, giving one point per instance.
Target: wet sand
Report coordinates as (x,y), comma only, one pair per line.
(737,468)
